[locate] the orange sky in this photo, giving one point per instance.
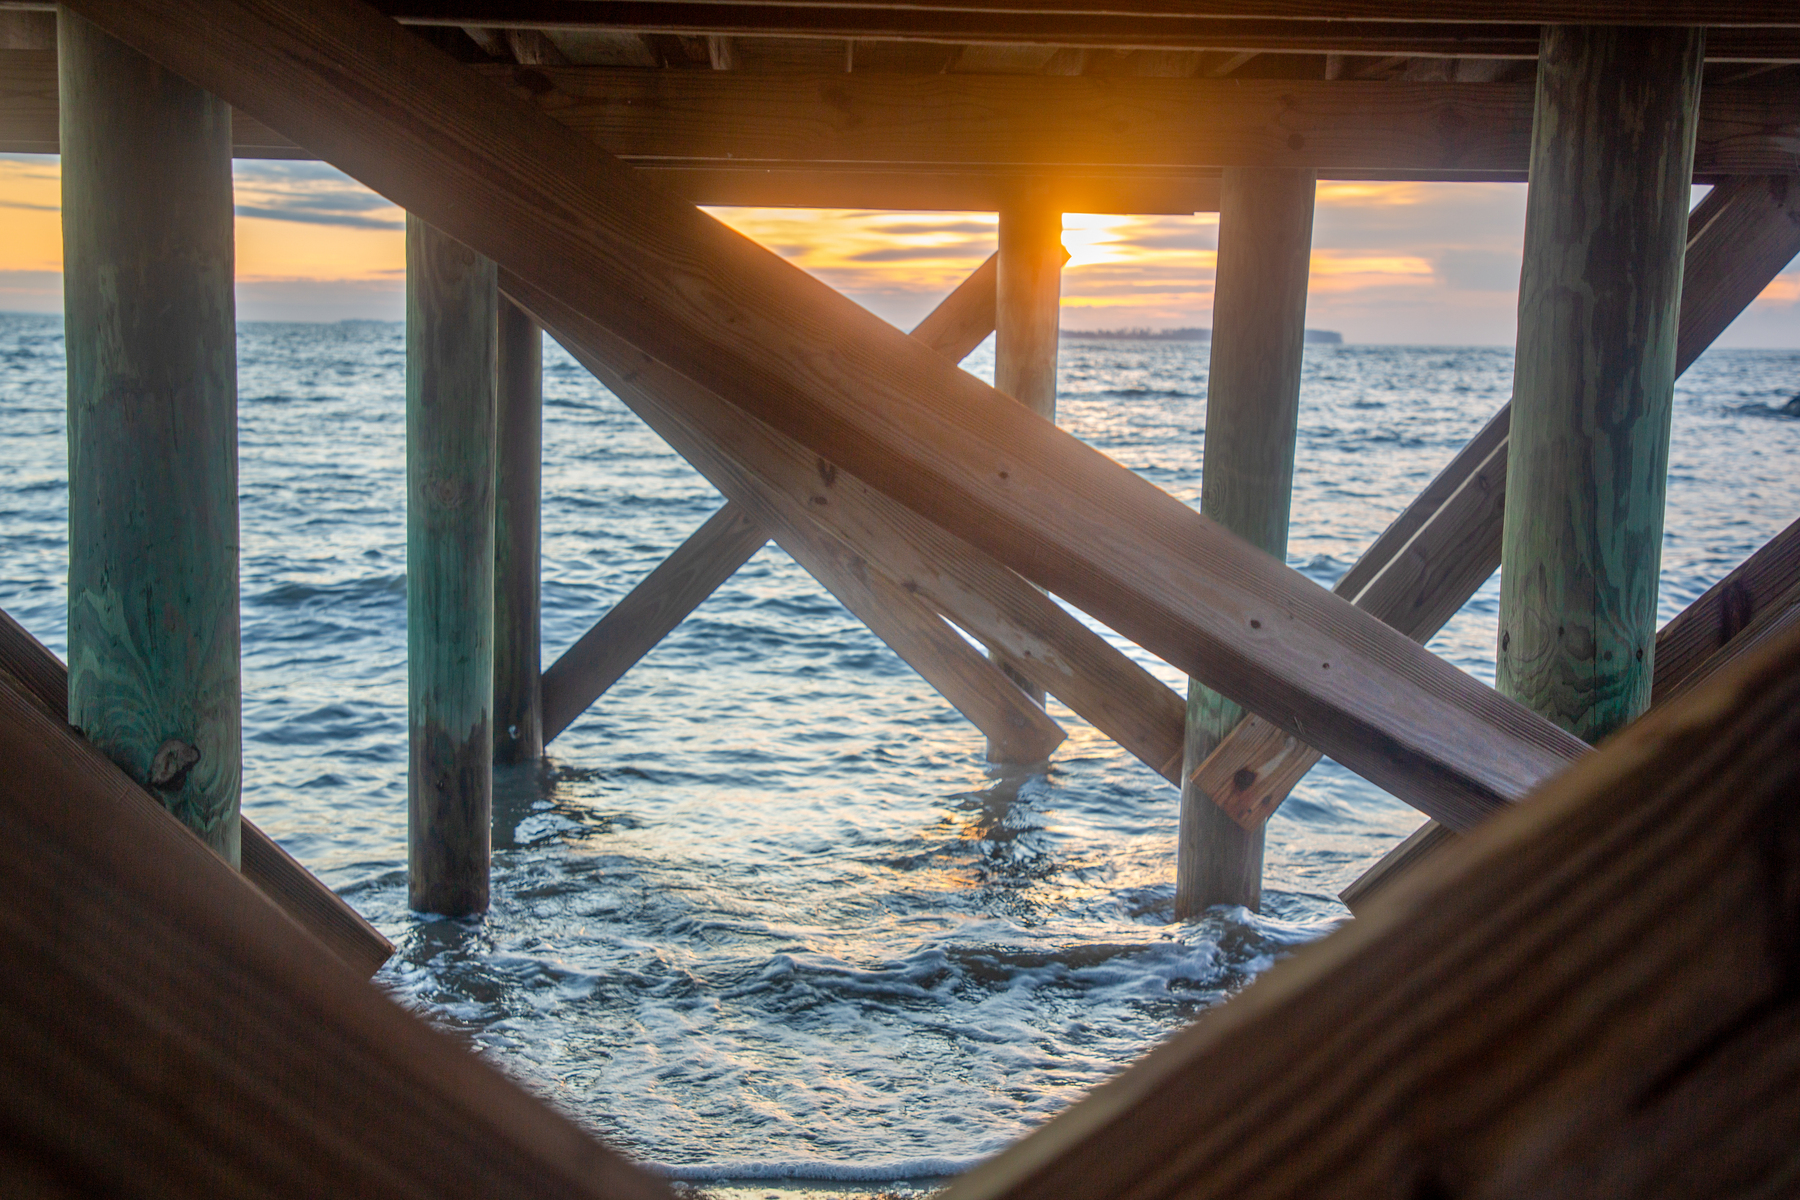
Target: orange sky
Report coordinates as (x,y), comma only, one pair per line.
(1392,262)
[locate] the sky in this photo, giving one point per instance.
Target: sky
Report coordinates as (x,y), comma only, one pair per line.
(1402,263)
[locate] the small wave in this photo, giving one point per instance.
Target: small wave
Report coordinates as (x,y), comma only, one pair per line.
(1789,411)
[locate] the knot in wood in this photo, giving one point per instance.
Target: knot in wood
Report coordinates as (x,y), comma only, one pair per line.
(170,765)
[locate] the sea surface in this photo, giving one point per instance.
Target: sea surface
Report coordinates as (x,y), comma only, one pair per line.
(764,912)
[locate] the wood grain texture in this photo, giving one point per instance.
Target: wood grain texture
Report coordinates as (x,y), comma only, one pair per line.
(1756,221)
(1725,610)
(741,456)
(1528,12)
(1593,390)
(1442,551)
(714,552)
(705,301)
(694,117)
(1247,478)
(964,319)
(451,332)
(1117,28)
(518,714)
(729,137)
(171,1033)
(152,417)
(639,622)
(1591,997)
(1027,326)
(39,676)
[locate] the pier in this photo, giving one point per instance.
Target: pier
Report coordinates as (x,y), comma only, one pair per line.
(1574,979)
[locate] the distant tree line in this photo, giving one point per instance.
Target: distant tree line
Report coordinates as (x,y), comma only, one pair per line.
(1316,337)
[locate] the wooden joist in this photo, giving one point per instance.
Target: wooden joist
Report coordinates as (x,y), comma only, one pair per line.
(711,131)
(616,258)
(1591,997)
(171,1033)
(39,676)
(1446,544)
(1118,27)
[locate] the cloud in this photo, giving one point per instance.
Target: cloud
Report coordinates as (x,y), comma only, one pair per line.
(1479,270)
(911,253)
(310,193)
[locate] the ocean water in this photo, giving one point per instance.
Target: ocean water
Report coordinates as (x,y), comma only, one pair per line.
(764,912)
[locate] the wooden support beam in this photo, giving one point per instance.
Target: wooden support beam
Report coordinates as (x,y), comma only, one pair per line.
(723,135)
(740,455)
(964,319)
(1724,611)
(1446,544)
(1756,603)
(1163,27)
(171,1033)
(1593,390)
(1591,997)
(1247,481)
(152,367)
(637,623)
(1028,300)
(606,255)
(451,330)
(518,465)
(39,676)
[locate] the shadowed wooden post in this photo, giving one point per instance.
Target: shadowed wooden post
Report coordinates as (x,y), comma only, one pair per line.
(518,695)
(1252,412)
(1027,299)
(1605,227)
(450,352)
(153,520)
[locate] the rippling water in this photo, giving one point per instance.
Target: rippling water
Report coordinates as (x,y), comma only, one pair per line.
(765,911)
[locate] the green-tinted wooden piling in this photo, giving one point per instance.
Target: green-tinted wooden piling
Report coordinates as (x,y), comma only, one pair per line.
(518,674)
(1027,302)
(450,434)
(149,318)
(1611,158)
(1252,413)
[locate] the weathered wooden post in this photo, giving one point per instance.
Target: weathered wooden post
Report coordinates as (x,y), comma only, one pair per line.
(1027,301)
(1252,413)
(518,694)
(153,518)
(1611,160)
(450,432)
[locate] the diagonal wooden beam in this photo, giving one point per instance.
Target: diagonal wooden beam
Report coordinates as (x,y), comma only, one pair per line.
(608,256)
(744,458)
(1757,602)
(600,657)
(636,624)
(1591,997)
(35,673)
(1427,564)
(170,1032)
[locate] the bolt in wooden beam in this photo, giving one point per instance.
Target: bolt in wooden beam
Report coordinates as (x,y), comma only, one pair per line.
(1247,481)
(153,516)
(450,431)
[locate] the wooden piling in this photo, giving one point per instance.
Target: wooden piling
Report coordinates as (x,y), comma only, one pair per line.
(1252,413)
(1611,160)
(152,377)
(1027,300)
(518,694)
(450,434)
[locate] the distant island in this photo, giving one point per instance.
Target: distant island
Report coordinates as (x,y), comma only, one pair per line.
(1314,337)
